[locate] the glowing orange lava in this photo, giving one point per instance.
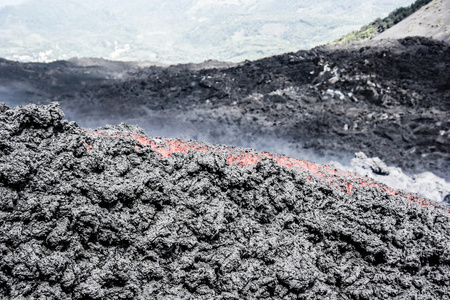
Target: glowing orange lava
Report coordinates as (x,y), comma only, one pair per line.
(342,181)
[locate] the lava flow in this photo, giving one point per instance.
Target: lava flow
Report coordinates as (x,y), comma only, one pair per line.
(342,181)
(115,214)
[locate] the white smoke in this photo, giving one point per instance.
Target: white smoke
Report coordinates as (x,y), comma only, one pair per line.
(425,184)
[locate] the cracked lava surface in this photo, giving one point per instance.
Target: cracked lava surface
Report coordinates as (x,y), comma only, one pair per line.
(114,214)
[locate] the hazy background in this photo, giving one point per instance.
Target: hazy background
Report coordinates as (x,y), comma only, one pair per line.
(176,31)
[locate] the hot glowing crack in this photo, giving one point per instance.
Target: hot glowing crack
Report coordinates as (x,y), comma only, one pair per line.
(345,182)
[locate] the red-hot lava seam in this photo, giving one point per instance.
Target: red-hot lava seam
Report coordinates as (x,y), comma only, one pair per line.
(235,157)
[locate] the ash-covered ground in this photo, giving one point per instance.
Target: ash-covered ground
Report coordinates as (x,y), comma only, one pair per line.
(114,214)
(387,99)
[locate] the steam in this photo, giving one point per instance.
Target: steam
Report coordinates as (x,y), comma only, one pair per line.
(176,125)
(170,124)
(425,184)
(173,124)
(221,125)
(19,93)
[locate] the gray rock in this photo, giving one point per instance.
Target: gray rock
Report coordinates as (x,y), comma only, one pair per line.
(126,217)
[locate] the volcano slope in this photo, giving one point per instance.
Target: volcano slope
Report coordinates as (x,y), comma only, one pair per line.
(388,99)
(113,214)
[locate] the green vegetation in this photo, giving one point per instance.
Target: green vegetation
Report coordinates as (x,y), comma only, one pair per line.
(379,25)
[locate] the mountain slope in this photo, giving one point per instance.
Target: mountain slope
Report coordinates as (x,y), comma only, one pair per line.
(432,20)
(388,99)
(378,26)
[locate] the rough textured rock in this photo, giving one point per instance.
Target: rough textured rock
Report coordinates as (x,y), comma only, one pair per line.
(388,99)
(103,216)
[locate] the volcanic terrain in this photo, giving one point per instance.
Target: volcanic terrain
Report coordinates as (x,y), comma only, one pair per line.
(388,99)
(150,212)
(115,214)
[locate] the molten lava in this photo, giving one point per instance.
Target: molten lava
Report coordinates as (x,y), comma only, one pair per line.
(342,181)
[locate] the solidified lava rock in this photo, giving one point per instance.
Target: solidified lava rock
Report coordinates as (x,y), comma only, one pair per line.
(105,217)
(388,99)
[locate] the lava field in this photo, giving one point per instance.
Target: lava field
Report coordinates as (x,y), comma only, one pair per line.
(388,99)
(112,213)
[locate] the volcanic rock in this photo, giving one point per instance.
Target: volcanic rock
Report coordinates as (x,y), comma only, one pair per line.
(114,214)
(375,164)
(388,99)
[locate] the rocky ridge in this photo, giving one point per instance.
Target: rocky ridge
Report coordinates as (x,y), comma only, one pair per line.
(94,216)
(387,99)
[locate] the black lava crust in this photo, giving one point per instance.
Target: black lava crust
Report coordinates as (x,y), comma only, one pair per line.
(389,99)
(115,221)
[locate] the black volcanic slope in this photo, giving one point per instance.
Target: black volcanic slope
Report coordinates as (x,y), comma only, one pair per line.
(112,214)
(389,99)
